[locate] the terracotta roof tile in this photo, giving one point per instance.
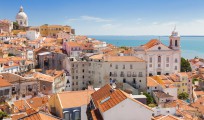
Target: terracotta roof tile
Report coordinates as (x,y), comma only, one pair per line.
(151,82)
(4,83)
(168,117)
(151,43)
(122,59)
(106,98)
(71,99)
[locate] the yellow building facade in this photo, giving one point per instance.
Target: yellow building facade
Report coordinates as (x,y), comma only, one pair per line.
(178,80)
(51,30)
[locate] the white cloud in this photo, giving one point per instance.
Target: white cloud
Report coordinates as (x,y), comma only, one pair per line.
(138,27)
(89,18)
(95,19)
(109,26)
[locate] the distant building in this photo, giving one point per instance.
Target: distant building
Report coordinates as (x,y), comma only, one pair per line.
(73,49)
(113,69)
(6,26)
(51,30)
(22,18)
(161,59)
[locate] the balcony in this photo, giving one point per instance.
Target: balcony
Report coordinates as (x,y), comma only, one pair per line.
(128,75)
(140,75)
(134,75)
(122,75)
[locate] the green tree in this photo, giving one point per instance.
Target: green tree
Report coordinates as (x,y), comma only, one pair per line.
(150,99)
(15,26)
(194,79)
(2,115)
(11,54)
(185,65)
(183,96)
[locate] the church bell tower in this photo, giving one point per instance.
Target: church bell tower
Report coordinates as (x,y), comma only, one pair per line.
(174,40)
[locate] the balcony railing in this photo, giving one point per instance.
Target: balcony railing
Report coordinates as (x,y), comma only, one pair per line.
(128,75)
(122,75)
(134,75)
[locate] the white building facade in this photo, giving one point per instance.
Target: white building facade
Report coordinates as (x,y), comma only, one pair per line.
(161,59)
(32,35)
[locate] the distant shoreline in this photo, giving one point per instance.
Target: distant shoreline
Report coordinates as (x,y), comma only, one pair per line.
(146,35)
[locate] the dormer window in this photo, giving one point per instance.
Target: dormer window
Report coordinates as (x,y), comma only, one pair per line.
(159,48)
(10,63)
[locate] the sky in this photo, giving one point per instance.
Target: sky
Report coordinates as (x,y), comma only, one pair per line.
(113,17)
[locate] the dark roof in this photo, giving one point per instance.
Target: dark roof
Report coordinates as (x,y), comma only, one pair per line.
(160,94)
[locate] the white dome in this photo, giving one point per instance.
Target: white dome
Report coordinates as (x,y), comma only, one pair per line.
(21,15)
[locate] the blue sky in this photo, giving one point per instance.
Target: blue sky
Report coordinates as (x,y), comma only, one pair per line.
(113,17)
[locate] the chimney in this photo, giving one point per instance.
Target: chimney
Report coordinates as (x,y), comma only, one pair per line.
(111,90)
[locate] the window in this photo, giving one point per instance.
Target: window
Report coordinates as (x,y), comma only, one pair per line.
(140,74)
(159,48)
(77,115)
(110,65)
(1,93)
(67,115)
(140,81)
(44,87)
(134,81)
(176,60)
(159,65)
(6,92)
(110,74)
(76,77)
(124,80)
(150,65)
(122,74)
(150,59)
(123,66)
(116,66)
(83,76)
(176,43)
(159,58)
(167,59)
(83,70)
(131,66)
(76,83)
(175,67)
(167,65)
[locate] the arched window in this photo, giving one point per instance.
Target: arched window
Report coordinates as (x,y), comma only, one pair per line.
(176,43)
(66,115)
(159,58)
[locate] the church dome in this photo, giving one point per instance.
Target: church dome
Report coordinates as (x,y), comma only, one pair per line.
(21,14)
